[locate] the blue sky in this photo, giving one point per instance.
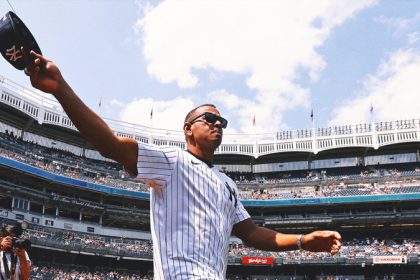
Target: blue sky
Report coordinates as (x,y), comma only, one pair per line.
(275,60)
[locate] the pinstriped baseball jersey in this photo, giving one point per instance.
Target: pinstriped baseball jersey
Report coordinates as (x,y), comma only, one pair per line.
(191,216)
(6,264)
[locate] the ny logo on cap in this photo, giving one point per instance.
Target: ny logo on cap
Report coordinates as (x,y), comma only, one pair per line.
(13,53)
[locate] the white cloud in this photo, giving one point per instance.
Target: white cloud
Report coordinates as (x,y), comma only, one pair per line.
(116,103)
(393,91)
(168,114)
(402,25)
(244,111)
(269,42)
(413,37)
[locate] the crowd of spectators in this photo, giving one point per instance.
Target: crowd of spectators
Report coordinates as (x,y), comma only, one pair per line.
(284,185)
(278,193)
(379,276)
(351,249)
(400,124)
(331,190)
(62,272)
(71,272)
(90,241)
(317,177)
(67,272)
(325,131)
(67,164)
(274,178)
(346,129)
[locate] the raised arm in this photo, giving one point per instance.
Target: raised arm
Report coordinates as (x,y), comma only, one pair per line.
(269,240)
(46,77)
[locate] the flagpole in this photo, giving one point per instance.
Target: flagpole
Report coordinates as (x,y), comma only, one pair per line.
(255,137)
(151,118)
(371,112)
(372,121)
(314,145)
(100,106)
(151,127)
(312,118)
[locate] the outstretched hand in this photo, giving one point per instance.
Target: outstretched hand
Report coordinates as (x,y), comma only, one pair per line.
(44,74)
(322,241)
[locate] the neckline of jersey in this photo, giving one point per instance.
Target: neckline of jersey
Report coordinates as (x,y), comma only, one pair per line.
(208,163)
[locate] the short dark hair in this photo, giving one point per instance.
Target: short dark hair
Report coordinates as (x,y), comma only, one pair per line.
(188,116)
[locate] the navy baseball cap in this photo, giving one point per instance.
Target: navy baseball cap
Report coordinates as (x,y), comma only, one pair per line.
(13,35)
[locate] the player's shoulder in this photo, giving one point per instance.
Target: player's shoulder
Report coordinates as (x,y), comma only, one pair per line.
(155,148)
(226,178)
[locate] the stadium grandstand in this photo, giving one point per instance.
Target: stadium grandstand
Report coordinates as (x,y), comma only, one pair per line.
(89,220)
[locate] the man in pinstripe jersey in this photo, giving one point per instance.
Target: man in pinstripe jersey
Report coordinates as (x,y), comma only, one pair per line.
(14,262)
(194,207)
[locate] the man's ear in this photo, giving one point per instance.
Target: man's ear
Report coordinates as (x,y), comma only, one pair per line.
(187,129)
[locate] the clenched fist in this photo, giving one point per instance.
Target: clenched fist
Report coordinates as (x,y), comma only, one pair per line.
(322,241)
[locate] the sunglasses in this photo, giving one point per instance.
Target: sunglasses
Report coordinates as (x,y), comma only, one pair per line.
(211,119)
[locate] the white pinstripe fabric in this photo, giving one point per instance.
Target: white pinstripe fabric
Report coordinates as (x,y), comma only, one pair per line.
(6,260)
(192,216)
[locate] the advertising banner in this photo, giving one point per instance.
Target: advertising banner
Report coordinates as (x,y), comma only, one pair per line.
(258,260)
(389,259)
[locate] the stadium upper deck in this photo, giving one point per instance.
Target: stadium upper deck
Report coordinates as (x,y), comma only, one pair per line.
(57,183)
(44,109)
